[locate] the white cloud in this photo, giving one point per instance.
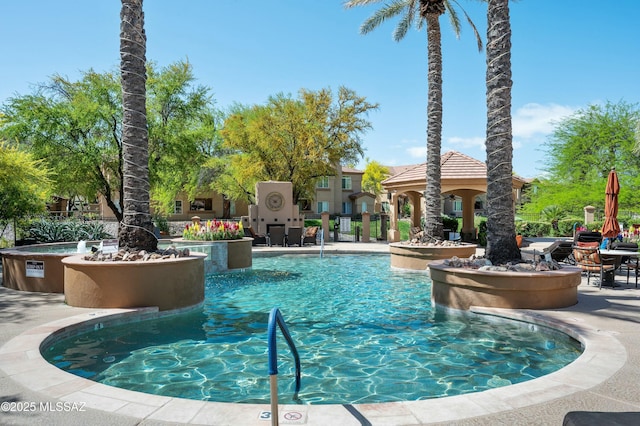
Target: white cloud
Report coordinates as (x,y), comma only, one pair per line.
(537,120)
(417,152)
(477,142)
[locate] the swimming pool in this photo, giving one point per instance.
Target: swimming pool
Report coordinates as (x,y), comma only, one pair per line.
(365,333)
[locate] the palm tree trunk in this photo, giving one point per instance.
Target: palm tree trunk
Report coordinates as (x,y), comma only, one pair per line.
(136,228)
(433,209)
(501,235)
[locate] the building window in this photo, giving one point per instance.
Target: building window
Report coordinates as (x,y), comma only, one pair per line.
(177,207)
(457,205)
(346,182)
(201,204)
(304,205)
(323,206)
(323,182)
(346,208)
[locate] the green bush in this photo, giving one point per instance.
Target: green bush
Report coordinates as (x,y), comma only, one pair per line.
(595,226)
(45,230)
(450,223)
(162,224)
(566,226)
(482,233)
(533,229)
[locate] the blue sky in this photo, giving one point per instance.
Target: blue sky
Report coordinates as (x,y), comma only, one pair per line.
(566,55)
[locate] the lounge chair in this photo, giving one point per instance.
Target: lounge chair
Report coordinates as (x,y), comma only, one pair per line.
(560,251)
(294,236)
(310,235)
(257,239)
(277,236)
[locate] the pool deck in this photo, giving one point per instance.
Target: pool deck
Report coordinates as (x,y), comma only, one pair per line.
(605,378)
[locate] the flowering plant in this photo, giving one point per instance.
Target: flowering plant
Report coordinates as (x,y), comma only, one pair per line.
(213,230)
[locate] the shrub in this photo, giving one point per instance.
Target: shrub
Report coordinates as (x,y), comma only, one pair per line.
(482,233)
(533,229)
(566,226)
(46,230)
(162,224)
(450,223)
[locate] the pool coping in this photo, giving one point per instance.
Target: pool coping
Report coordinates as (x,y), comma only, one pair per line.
(21,361)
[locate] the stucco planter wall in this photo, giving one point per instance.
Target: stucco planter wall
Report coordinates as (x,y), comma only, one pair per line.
(419,257)
(18,265)
(165,283)
(14,274)
(222,255)
(460,288)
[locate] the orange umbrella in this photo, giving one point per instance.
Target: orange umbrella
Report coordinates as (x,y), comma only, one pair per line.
(611,228)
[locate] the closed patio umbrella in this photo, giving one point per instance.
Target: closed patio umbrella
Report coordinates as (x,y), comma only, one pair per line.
(611,228)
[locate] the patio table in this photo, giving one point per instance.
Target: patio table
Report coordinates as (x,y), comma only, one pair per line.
(618,254)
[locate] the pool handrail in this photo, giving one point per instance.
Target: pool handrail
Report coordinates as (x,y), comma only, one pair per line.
(276,318)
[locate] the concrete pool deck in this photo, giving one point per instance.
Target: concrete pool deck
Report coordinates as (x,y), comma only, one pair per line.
(606,378)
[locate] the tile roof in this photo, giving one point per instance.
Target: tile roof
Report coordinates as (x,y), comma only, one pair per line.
(454,165)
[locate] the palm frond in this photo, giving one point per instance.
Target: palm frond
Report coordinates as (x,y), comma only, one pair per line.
(381,15)
(453,18)
(452,13)
(403,26)
(353,3)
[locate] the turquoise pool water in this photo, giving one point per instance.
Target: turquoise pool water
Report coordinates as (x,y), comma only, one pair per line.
(365,333)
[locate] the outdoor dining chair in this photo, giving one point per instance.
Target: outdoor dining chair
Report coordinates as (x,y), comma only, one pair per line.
(590,260)
(294,236)
(277,236)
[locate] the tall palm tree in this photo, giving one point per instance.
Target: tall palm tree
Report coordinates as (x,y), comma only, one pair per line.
(136,228)
(501,235)
(419,13)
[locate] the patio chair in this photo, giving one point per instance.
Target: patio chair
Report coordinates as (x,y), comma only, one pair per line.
(294,236)
(590,260)
(277,236)
(257,239)
(310,235)
(587,237)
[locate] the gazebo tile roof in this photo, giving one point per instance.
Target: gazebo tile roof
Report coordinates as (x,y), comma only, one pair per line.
(454,165)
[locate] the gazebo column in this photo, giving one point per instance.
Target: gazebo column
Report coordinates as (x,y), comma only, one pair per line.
(416,209)
(394,234)
(468,230)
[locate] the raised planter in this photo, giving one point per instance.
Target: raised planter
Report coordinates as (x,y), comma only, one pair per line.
(461,288)
(165,283)
(222,255)
(418,257)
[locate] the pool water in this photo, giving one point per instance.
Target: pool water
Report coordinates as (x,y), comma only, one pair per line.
(365,333)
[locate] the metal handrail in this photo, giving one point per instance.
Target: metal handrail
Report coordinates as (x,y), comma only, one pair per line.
(275,318)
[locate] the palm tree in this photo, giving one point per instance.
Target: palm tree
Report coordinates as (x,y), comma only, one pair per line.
(136,228)
(501,235)
(420,13)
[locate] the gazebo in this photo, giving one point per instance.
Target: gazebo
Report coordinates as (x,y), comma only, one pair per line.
(461,176)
